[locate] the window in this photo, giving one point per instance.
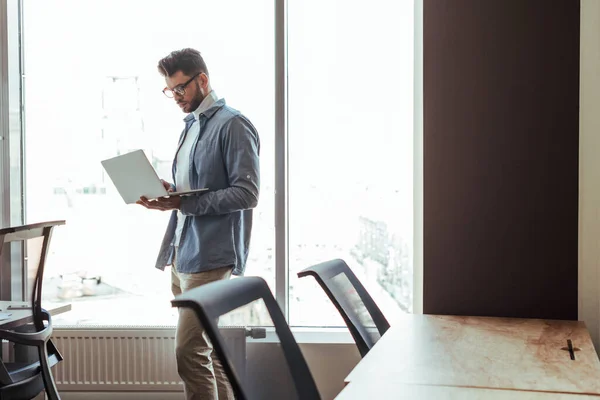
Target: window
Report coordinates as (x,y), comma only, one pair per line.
(350,149)
(93,92)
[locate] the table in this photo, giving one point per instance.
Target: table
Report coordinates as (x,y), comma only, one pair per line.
(381,390)
(22,317)
(482,352)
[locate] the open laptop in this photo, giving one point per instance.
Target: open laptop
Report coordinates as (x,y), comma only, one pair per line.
(134,177)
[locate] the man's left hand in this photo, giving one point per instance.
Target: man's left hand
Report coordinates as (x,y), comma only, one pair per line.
(162,203)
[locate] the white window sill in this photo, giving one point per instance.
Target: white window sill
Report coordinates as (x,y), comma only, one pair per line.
(303,335)
(312,335)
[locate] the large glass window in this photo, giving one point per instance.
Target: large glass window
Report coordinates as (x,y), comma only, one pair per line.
(350,149)
(93,92)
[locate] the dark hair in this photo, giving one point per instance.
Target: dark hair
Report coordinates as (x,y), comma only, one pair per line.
(189,61)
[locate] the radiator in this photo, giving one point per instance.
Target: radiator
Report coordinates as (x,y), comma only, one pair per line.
(136,359)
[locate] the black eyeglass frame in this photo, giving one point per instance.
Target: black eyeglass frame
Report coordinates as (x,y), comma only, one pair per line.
(179,89)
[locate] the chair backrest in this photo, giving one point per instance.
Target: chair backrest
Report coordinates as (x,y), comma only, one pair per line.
(24,233)
(358,309)
(216,299)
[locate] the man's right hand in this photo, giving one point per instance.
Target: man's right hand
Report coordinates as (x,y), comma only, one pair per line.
(167,185)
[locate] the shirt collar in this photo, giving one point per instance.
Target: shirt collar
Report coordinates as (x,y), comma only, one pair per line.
(208,113)
(208,101)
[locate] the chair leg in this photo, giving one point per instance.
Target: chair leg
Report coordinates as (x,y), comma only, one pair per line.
(53,350)
(51,391)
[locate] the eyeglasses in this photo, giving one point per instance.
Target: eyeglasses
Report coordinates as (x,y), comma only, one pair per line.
(179,89)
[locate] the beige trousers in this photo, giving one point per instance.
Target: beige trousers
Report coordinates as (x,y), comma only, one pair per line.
(201,372)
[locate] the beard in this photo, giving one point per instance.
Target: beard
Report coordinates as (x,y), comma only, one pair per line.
(195,103)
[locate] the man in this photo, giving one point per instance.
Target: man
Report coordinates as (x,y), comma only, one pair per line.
(208,235)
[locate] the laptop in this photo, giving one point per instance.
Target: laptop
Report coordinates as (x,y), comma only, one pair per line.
(134,177)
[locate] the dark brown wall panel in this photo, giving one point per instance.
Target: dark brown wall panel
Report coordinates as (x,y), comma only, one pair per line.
(501,137)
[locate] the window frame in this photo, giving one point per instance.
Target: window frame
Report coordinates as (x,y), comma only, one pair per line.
(12,146)
(281,160)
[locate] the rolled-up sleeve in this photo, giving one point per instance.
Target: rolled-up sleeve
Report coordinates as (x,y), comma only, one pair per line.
(240,146)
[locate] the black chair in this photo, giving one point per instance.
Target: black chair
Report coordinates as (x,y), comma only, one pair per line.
(361,314)
(25,380)
(213,300)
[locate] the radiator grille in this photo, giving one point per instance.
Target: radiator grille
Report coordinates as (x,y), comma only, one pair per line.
(127,359)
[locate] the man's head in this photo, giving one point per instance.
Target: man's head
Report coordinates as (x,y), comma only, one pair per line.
(186,77)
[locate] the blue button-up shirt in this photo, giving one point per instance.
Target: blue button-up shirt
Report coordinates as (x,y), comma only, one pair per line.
(225,159)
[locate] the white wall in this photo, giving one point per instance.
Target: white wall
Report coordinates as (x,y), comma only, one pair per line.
(589,169)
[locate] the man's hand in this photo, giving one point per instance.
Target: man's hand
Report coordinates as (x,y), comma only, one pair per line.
(162,203)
